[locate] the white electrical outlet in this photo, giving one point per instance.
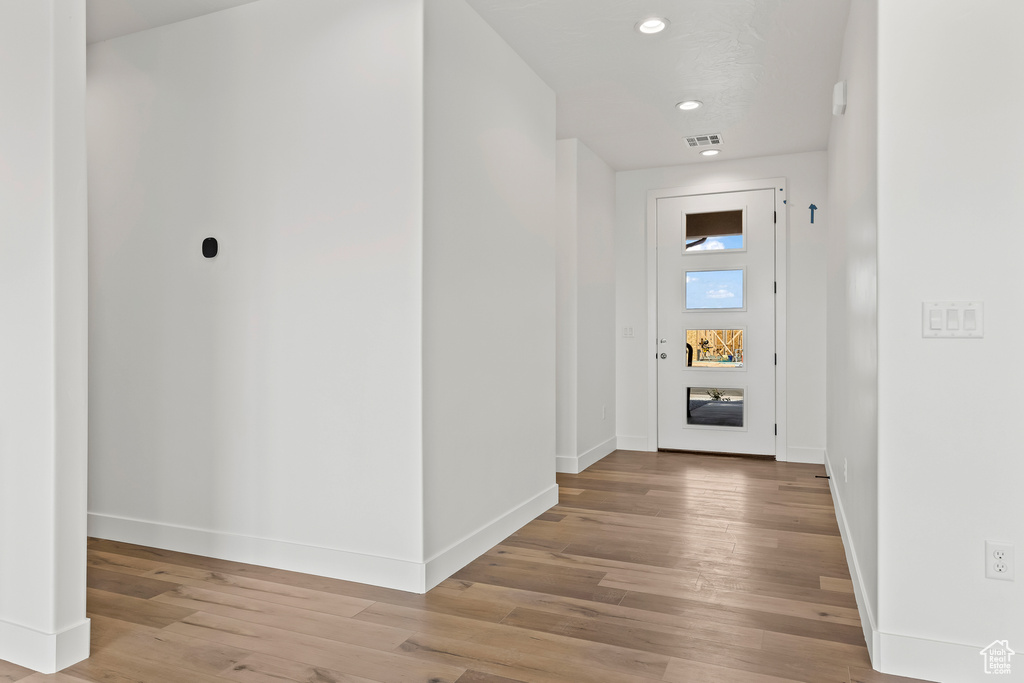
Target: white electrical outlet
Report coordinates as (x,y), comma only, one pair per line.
(999,560)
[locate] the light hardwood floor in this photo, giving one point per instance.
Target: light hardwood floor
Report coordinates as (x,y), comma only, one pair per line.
(654,566)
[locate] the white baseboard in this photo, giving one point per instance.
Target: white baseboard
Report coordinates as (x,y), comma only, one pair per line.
(44,652)
(811,456)
(459,554)
(388,572)
(867,617)
(633,443)
(406,575)
(933,660)
(568,464)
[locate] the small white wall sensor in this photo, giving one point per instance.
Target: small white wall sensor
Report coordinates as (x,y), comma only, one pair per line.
(839,98)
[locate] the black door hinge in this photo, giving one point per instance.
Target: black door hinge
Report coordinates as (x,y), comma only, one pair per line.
(776,359)
(775,216)
(775,287)
(776,429)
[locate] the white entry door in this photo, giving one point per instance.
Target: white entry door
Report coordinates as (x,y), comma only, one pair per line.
(716,295)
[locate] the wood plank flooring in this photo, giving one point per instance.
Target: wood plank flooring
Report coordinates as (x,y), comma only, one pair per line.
(654,566)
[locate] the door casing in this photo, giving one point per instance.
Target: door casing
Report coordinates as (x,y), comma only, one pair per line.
(778,185)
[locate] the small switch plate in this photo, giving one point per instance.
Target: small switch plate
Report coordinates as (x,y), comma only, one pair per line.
(946,319)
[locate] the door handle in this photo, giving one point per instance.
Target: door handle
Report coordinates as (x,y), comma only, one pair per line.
(664,355)
(663,341)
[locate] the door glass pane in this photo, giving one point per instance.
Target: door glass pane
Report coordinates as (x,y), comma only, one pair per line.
(715,289)
(715,348)
(716,230)
(714,407)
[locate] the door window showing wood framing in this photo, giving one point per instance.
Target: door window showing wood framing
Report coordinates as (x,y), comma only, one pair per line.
(716,348)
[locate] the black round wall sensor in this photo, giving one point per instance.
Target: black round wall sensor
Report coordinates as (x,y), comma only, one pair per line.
(210,247)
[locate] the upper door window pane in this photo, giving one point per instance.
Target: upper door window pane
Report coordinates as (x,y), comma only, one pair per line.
(714,289)
(716,230)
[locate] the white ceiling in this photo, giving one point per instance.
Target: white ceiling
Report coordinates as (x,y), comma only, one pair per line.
(763,68)
(106,19)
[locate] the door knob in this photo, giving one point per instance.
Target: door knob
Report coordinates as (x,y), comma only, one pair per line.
(663,341)
(664,355)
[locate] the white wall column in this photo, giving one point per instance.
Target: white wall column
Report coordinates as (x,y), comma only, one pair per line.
(566,307)
(488,290)
(43,350)
(361,383)
(585,293)
(852,328)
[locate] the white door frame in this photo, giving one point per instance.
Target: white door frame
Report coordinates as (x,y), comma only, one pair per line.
(778,185)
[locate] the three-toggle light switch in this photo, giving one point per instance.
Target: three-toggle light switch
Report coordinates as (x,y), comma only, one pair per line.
(953,319)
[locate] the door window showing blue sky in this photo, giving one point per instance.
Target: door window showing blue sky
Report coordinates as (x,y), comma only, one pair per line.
(715,242)
(714,289)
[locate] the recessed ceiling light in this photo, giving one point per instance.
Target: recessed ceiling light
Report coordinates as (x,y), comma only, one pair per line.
(652,25)
(689,105)
(709,152)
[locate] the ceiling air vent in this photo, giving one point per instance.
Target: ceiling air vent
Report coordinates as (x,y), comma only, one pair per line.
(707,140)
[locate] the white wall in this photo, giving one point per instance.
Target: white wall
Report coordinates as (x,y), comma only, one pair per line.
(805,376)
(949,213)
(566,305)
(596,323)
(852,401)
(264,405)
(586,307)
(488,290)
(43,281)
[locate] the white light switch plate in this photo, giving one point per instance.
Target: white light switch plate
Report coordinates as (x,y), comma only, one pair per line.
(962,319)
